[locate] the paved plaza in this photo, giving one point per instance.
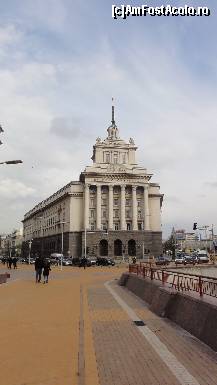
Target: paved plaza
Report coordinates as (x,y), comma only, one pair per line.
(83,329)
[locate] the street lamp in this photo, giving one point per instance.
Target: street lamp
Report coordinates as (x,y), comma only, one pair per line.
(8,161)
(30,246)
(12,162)
(61,260)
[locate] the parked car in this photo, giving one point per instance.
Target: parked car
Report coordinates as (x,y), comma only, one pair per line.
(202,258)
(55,258)
(66,262)
(92,261)
(76,261)
(161,260)
(105,262)
(31,261)
(23,260)
(179,260)
(189,259)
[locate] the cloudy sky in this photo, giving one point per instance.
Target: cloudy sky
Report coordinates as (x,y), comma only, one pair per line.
(61,61)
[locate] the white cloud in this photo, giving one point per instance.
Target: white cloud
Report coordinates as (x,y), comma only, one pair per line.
(55,100)
(9,34)
(12,189)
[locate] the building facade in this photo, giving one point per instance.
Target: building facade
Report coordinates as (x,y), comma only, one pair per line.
(11,244)
(113,209)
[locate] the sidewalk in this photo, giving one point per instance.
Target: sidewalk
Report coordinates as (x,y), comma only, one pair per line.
(78,331)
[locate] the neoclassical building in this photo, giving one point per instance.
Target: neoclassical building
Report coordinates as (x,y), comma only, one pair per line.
(113,208)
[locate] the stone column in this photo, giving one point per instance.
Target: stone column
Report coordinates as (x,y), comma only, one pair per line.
(110,224)
(86,206)
(98,207)
(123,219)
(134,206)
(146,209)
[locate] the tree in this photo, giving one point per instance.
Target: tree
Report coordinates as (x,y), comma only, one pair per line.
(170,243)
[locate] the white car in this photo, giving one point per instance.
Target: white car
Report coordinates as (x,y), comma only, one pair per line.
(179,260)
(67,262)
(202,257)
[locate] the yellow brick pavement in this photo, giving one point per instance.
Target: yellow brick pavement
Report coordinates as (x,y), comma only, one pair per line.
(73,332)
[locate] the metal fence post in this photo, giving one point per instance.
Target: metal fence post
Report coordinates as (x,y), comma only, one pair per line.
(163,277)
(201,287)
(178,282)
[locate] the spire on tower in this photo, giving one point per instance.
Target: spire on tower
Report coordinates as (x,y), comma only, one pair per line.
(113,112)
(113,133)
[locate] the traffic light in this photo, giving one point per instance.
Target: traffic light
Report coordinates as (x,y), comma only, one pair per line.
(195,226)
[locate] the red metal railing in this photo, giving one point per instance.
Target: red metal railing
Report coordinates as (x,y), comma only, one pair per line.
(177,280)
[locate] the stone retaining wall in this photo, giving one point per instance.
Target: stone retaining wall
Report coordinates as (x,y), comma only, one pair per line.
(3,277)
(194,315)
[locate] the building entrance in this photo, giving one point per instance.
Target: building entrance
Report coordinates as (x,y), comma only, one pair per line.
(118,248)
(132,248)
(103,248)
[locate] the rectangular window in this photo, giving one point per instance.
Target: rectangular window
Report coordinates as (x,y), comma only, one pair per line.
(104,226)
(127,202)
(103,213)
(107,157)
(116,213)
(139,203)
(92,213)
(128,226)
(127,213)
(139,214)
(116,202)
(115,158)
(116,226)
(140,226)
(92,226)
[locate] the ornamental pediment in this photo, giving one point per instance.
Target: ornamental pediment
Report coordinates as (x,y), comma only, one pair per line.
(116,168)
(119,178)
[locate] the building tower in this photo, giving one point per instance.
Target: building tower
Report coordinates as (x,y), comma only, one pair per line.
(121,206)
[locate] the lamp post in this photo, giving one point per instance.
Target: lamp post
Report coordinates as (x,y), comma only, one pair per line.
(61,260)
(30,246)
(8,161)
(85,242)
(12,162)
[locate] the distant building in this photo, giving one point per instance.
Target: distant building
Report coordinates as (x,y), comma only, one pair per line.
(179,235)
(191,237)
(114,207)
(192,240)
(11,244)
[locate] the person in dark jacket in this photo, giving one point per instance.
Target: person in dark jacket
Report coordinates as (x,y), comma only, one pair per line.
(10,260)
(83,262)
(39,264)
(46,270)
(15,262)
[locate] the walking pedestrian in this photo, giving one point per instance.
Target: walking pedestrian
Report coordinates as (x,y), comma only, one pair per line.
(46,270)
(84,262)
(14,262)
(39,264)
(10,260)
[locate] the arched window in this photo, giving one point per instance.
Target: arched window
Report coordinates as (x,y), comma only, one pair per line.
(103,248)
(131,247)
(117,247)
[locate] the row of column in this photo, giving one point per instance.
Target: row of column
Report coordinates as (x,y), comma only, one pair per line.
(110,206)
